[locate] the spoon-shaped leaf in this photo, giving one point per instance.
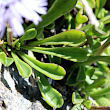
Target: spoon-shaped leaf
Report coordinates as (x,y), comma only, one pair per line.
(29,34)
(76,98)
(71,38)
(76,107)
(50,95)
(80,19)
(97,58)
(102,101)
(24,69)
(104,91)
(5,60)
(69,53)
(58,8)
(51,70)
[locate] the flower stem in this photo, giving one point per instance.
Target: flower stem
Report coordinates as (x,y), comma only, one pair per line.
(9,36)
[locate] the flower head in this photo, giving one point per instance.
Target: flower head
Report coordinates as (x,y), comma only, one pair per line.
(12,12)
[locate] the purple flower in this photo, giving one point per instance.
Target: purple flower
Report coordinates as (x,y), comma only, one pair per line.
(12,12)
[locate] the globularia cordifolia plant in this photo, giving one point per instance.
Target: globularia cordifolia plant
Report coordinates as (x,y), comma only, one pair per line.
(14,33)
(27,25)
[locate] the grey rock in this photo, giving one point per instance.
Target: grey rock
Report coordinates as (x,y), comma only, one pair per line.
(12,101)
(17,93)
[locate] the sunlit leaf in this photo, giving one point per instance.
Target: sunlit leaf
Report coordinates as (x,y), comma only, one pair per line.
(88,104)
(55,11)
(23,68)
(69,53)
(76,98)
(76,107)
(102,101)
(6,61)
(51,70)
(104,91)
(29,34)
(50,95)
(71,38)
(80,19)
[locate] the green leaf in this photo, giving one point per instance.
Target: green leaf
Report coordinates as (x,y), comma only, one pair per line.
(86,27)
(101,81)
(102,101)
(88,80)
(92,31)
(69,21)
(24,69)
(91,60)
(105,19)
(76,107)
(71,38)
(50,26)
(80,19)
(104,91)
(40,35)
(103,68)
(54,59)
(49,69)
(88,104)
(89,40)
(91,3)
(29,34)
(79,5)
(102,3)
(50,95)
(14,43)
(71,80)
(76,98)
(6,61)
(102,13)
(96,44)
(98,73)
(56,10)
(90,71)
(99,5)
(69,53)
(81,74)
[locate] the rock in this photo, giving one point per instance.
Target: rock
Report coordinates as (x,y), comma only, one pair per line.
(12,101)
(17,93)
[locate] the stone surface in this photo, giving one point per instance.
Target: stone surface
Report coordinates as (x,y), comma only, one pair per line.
(17,93)
(12,101)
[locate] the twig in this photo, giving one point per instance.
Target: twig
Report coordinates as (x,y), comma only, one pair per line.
(100,108)
(6,52)
(0,66)
(1,45)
